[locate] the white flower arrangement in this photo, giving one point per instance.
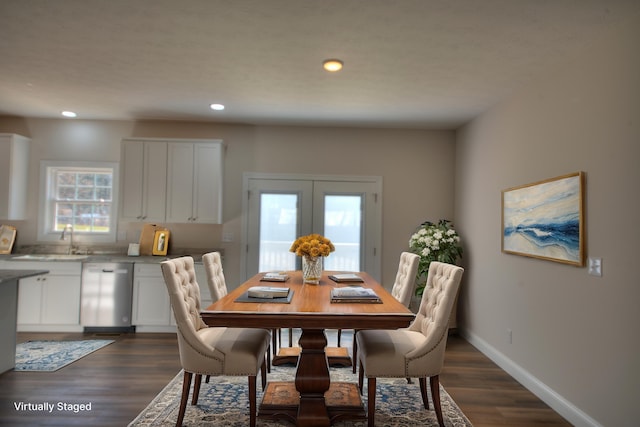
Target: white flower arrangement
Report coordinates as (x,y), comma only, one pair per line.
(434,242)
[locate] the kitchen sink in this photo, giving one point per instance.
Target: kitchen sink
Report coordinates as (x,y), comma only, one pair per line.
(51,257)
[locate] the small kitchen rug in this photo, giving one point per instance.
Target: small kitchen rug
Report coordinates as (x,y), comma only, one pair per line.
(224,402)
(49,356)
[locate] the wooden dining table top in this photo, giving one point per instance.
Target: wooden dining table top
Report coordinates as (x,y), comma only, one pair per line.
(310,307)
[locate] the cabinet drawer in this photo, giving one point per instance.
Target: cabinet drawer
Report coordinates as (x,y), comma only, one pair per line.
(147,270)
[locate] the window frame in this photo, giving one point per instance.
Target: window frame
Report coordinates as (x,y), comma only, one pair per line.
(46,232)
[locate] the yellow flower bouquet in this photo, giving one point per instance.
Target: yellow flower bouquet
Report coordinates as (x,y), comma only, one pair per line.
(313,245)
(312,248)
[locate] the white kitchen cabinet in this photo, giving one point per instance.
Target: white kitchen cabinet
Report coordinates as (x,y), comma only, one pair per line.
(151,305)
(50,302)
(144,180)
(151,311)
(14,174)
(194,182)
(205,295)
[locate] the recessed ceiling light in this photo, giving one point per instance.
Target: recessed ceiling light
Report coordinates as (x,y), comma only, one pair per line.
(69,114)
(332,65)
(217,107)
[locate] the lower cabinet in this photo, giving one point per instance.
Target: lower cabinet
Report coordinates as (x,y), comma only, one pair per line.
(50,302)
(151,306)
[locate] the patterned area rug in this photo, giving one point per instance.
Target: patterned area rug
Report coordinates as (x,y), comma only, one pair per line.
(52,355)
(223,402)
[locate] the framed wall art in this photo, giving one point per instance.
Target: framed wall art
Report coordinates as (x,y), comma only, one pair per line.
(546,219)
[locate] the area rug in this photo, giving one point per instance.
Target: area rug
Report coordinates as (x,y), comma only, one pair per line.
(50,356)
(224,402)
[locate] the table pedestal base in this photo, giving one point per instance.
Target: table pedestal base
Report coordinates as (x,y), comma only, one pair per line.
(281,400)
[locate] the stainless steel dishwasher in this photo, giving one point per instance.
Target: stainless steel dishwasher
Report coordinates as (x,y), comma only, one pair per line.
(107,291)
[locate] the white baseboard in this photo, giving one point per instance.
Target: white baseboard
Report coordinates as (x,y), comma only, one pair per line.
(566,409)
(156,329)
(49,328)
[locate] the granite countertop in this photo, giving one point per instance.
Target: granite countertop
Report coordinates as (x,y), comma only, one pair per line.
(95,258)
(9,275)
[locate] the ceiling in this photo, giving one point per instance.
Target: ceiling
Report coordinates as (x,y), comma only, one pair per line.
(408,63)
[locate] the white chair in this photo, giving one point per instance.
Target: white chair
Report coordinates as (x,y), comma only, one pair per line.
(217,284)
(417,351)
(402,290)
(209,351)
(215,276)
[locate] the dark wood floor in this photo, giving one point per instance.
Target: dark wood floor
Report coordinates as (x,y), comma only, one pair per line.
(121,379)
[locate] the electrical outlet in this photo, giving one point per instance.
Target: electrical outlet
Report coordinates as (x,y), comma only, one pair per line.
(595,266)
(227,236)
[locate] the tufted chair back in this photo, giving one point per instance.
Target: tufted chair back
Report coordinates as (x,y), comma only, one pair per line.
(215,276)
(405,282)
(432,319)
(184,293)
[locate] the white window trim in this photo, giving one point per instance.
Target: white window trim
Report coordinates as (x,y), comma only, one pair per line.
(43,212)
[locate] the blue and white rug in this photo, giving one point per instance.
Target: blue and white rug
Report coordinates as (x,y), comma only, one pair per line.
(224,402)
(50,356)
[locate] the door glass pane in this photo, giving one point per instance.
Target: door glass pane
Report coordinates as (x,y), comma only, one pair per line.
(343,226)
(278,229)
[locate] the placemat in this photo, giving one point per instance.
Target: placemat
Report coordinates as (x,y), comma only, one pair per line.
(281,300)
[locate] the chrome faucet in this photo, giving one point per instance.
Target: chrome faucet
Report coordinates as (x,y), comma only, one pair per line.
(68,228)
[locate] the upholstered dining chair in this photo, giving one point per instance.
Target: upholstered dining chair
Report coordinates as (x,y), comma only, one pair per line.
(417,351)
(402,290)
(215,276)
(204,350)
(212,262)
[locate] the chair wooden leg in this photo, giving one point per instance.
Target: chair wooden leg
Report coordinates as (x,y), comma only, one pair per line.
(354,351)
(423,392)
(435,396)
(263,371)
(371,402)
(252,401)
(186,385)
(206,380)
(290,337)
(275,333)
(339,336)
(360,378)
(196,389)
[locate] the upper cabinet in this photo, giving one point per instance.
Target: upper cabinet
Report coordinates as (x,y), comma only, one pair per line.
(194,182)
(144,180)
(175,181)
(14,173)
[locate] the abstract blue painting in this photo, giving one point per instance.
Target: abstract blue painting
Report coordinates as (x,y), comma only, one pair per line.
(545,219)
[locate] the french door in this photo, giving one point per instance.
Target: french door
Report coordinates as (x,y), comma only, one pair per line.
(278,209)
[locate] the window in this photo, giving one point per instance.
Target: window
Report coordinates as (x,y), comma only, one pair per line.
(81,195)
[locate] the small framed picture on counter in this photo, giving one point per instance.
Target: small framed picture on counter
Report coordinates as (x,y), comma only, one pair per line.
(7,237)
(160,242)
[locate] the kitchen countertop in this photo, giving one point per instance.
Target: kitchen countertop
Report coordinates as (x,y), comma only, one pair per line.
(95,258)
(9,275)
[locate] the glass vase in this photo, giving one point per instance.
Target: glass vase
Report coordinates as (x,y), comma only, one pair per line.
(311,269)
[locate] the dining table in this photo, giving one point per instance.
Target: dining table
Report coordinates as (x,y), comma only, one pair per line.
(316,401)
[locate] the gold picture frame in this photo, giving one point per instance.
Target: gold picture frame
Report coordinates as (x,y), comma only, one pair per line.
(545,219)
(7,238)
(160,242)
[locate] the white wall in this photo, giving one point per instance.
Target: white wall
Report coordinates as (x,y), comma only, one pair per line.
(416,166)
(575,337)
